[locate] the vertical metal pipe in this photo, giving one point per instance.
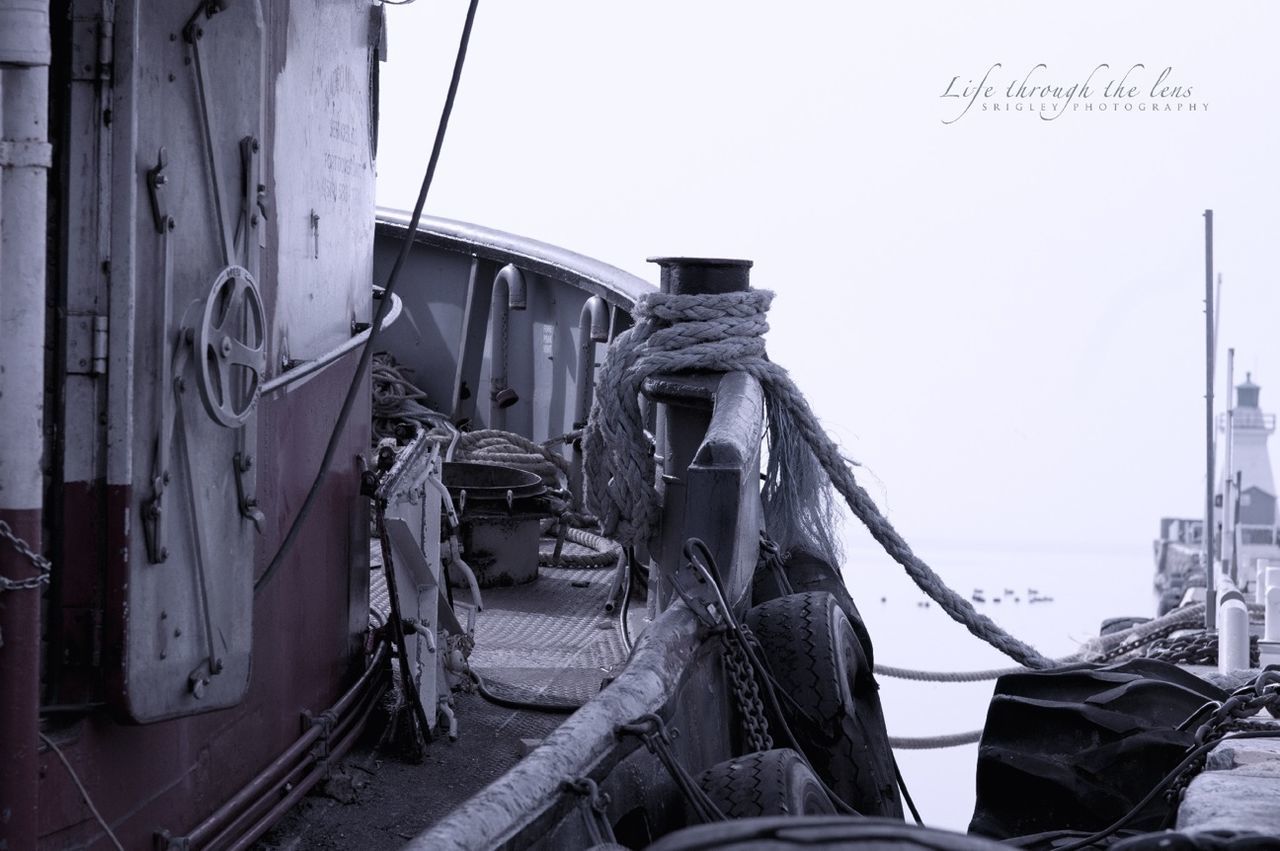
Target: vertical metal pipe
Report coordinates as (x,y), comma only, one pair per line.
(24,167)
(509,293)
(1228,473)
(593,327)
(1210,587)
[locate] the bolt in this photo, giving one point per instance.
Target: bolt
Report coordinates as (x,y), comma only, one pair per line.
(254,220)
(172,224)
(161,180)
(166,478)
(248,462)
(164,553)
(182,385)
(256,147)
(177,633)
(171,78)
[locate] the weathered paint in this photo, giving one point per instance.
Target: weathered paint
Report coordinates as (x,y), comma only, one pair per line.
(178,770)
(24,164)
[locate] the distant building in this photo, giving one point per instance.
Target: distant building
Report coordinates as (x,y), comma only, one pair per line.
(1246,515)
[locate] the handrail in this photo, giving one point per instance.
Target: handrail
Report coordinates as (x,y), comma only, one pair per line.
(301,370)
(583,744)
(616,286)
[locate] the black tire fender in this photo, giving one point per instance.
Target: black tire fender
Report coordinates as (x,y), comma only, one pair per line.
(829,697)
(765,783)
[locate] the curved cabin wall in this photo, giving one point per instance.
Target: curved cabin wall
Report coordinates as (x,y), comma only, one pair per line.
(158,741)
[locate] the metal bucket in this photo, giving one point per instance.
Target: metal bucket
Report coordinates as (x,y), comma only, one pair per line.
(500,510)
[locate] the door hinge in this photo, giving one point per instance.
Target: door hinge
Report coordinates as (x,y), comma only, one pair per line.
(87,336)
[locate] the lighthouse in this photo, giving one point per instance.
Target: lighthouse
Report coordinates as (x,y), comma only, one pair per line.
(1246,515)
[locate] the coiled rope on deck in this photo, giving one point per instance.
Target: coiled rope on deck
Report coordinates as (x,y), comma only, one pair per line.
(725,332)
(493,446)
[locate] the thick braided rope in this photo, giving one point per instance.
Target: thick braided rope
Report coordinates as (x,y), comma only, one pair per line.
(503,447)
(725,332)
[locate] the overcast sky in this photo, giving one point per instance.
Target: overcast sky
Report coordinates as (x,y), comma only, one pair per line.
(1000,316)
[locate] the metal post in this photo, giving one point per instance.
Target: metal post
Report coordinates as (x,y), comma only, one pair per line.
(24,167)
(682,428)
(1210,588)
(1228,472)
(1233,635)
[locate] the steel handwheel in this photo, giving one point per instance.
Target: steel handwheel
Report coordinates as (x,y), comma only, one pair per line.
(230,347)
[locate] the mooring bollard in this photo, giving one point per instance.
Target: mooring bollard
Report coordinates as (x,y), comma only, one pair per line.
(1269,645)
(1233,632)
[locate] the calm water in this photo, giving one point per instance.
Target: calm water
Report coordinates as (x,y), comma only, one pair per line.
(1086,588)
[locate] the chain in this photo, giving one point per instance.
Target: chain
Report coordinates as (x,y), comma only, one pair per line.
(755,724)
(1198,649)
(41,563)
(595,809)
(1234,713)
(1137,642)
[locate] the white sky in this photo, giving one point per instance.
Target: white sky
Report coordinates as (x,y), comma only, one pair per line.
(1001,317)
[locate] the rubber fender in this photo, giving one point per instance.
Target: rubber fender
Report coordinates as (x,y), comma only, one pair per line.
(765,783)
(819,832)
(829,697)
(806,571)
(1077,747)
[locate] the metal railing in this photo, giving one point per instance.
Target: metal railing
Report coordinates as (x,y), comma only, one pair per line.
(1247,418)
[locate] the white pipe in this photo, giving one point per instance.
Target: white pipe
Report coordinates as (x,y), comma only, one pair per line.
(1233,635)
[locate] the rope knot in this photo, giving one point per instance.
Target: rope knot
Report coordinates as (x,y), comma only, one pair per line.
(673,333)
(724,332)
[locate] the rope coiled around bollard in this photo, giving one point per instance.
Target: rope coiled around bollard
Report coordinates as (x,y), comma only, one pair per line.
(724,333)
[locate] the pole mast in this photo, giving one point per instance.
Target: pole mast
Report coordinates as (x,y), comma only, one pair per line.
(1228,475)
(1210,589)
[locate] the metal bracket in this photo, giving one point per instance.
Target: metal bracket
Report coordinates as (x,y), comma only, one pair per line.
(243,463)
(252,199)
(156,180)
(171,386)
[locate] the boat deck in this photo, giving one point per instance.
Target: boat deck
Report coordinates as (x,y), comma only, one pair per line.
(549,642)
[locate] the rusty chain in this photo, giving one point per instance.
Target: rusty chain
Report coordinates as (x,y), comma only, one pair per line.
(1198,649)
(1234,713)
(755,724)
(40,562)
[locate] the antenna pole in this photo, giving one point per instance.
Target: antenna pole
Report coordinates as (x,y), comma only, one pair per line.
(1228,461)
(1210,588)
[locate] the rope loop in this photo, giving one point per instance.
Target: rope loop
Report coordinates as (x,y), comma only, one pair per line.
(724,332)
